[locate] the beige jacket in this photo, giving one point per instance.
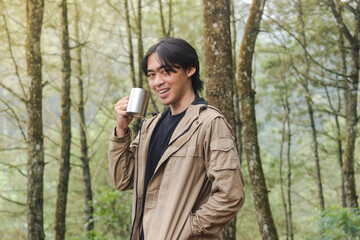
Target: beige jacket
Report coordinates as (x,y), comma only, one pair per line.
(197,187)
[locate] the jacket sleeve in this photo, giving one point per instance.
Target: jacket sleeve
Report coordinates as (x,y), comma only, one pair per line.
(227,184)
(121,157)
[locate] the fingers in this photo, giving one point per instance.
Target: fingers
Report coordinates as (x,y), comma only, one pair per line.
(121,105)
(122,119)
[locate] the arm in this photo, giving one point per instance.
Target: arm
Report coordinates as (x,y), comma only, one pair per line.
(121,153)
(121,157)
(227,183)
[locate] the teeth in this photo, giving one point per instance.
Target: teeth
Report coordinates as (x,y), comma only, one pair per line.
(163,91)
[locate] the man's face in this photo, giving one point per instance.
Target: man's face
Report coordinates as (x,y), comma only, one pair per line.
(172,88)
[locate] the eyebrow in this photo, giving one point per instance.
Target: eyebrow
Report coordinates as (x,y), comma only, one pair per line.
(158,68)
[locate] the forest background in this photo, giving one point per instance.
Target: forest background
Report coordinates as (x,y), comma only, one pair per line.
(302,74)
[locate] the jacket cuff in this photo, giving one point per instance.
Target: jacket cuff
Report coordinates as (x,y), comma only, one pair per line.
(123,139)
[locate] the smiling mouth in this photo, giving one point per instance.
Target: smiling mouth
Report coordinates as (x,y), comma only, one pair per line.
(163,91)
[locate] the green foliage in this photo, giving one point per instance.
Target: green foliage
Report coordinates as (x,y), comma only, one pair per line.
(112,215)
(339,223)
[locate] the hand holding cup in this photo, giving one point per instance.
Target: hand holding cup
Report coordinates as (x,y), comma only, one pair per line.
(123,120)
(131,107)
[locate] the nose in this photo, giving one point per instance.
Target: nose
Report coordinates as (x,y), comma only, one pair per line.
(158,81)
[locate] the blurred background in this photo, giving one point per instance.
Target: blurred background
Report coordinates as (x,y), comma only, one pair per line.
(304,71)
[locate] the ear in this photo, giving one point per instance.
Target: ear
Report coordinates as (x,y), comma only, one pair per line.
(190,71)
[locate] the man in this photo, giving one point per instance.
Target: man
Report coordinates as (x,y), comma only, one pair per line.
(183,164)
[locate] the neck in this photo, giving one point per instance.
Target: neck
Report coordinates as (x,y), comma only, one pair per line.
(176,109)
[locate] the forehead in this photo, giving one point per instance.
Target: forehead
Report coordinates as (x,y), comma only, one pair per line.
(153,62)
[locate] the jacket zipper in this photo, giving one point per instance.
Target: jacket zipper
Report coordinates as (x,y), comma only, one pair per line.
(137,158)
(202,108)
(137,178)
(185,131)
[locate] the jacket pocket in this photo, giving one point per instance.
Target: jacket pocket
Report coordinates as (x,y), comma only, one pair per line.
(223,154)
(186,232)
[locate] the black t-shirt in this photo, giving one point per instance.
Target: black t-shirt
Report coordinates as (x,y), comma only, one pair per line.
(158,143)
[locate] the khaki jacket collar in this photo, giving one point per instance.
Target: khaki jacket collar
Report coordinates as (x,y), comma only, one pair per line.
(182,133)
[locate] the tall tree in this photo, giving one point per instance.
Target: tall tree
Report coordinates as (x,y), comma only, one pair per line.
(305,85)
(89,209)
(289,172)
(35,137)
(286,106)
(238,124)
(62,188)
(281,160)
(165,33)
(130,45)
(338,132)
(219,68)
(283,90)
(251,146)
(137,122)
(140,42)
(351,96)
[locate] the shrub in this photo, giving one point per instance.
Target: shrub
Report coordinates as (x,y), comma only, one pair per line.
(339,224)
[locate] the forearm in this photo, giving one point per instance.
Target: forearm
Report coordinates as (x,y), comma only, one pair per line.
(223,170)
(121,161)
(227,197)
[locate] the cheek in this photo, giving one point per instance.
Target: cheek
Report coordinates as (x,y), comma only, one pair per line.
(151,85)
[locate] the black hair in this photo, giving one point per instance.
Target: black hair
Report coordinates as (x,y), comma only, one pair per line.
(176,53)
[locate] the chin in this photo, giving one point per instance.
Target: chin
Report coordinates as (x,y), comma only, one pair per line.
(165,102)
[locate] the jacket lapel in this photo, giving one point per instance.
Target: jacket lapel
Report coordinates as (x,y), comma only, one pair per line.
(183,132)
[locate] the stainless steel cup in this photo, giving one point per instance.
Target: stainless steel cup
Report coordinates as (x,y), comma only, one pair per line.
(138,103)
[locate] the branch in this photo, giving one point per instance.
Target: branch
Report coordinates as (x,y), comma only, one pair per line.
(13,166)
(334,85)
(11,149)
(304,48)
(4,110)
(13,93)
(115,8)
(99,134)
(15,116)
(330,112)
(10,48)
(349,7)
(105,55)
(13,214)
(338,16)
(79,45)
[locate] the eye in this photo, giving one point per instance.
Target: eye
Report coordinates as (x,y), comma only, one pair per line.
(151,75)
(166,72)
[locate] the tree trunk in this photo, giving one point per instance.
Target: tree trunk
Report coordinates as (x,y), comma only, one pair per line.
(62,188)
(247,95)
(219,68)
(238,124)
(35,138)
(305,85)
(315,148)
(218,52)
(165,33)
(338,132)
(89,224)
(351,102)
(286,136)
(170,27)
(130,45)
(162,22)
(281,161)
(137,122)
(289,173)
(140,44)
